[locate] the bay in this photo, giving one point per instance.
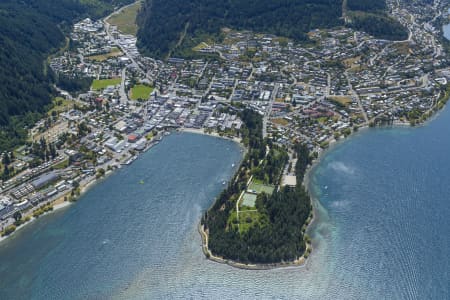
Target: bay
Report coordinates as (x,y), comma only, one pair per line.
(382,201)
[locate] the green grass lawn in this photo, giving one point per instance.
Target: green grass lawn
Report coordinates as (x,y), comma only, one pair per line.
(60,104)
(126,19)
(61,165)
(248,219)
(141,91)
(103,83)
(102,57)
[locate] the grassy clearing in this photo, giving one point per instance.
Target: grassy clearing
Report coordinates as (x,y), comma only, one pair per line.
(141,91)
(126,19)
(352,62)
(103,83)
(115,52)
(62,165)
(59,105)
(341,100)
(280,121)
(402,48)
(257,181)
(200,46)
(248,219)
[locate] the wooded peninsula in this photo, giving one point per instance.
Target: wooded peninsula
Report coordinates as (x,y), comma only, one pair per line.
(271,228)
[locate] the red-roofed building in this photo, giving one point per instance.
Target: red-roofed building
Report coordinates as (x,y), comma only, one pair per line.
(132,138)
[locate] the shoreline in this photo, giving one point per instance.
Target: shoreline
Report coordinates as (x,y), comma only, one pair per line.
(212,134)
(301,261)
(59,203)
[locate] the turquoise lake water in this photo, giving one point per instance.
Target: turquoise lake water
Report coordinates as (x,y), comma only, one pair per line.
(447,29)
(381,229)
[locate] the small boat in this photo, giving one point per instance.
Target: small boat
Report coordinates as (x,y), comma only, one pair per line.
(141,182)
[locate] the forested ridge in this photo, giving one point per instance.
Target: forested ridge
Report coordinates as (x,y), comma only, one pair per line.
(29,31)
(279,237)
(367,5)
(163,22)
(372,17)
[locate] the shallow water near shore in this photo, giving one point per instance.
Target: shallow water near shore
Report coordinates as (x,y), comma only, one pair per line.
(381,229)
(447,29)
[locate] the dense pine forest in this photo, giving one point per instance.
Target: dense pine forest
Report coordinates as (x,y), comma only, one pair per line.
(371,16)
(29,31)
(279,235)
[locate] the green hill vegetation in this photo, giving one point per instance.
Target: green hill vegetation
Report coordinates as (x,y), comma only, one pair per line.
(380,25)
(270,229)
(29,31)
(169,24)
(367,5)
(371,16)
(171,27)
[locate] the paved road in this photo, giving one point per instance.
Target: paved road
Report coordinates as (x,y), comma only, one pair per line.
(269,109)
(355,96)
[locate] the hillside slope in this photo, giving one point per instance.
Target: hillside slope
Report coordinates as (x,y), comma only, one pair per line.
(169,24)
(162,22)
(372,17)
(29,31)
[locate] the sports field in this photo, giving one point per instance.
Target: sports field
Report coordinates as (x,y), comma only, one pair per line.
(259,188)
(102,57)
(103,83)
(248,200)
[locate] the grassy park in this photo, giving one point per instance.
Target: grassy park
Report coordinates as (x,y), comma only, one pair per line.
(100,84)
(342,101)
(141,91)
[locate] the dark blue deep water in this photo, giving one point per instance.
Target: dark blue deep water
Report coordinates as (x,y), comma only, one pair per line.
(382,228)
